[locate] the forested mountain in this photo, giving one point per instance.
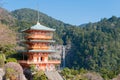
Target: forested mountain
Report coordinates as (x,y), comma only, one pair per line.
(97,47)
(28,17)
(94,46)
(8,41)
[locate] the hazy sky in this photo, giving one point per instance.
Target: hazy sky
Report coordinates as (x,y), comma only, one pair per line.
(75,12)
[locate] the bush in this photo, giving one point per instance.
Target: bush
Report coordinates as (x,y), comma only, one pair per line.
(40,76)
(11,60)
(32,68)
(2,56)
(1,63)
(10,74)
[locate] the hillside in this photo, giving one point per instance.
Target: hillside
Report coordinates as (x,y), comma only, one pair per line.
(94,46)
(7,36)
(28,17)
(7,40)
(97,47)
(6,17)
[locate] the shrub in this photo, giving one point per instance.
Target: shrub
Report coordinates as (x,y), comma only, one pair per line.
(11,74)
(40,76)
(1,63)
(32,68)
(11,60)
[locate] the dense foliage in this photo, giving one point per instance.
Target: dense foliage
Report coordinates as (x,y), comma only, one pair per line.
(81,74)
(94,46)
(11,60)
(6,17)
(7,40)
(39,76)
(28,17)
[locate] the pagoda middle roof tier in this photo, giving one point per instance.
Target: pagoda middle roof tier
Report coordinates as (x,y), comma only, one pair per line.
(40,41)
(44,51)
(45,41)
(38,26)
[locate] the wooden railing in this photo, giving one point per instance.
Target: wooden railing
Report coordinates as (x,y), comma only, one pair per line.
(39,48)
(39,37)
(40,62)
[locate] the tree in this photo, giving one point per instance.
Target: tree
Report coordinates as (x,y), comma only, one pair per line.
(11,60)
(7,40)
(39,76)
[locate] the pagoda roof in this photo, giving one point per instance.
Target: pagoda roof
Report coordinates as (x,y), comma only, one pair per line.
(42,41)
(51,51)
(38,26)
(38,41)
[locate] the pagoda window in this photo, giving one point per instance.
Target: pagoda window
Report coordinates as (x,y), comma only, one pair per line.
(46,58)
(39,57)
(42,58)
(30,57)
(35,57)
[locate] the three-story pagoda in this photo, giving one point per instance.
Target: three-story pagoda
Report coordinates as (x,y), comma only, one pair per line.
(38,39)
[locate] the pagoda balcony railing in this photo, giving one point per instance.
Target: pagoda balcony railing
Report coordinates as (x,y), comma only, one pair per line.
(39,37)
(41,48)
(40,62)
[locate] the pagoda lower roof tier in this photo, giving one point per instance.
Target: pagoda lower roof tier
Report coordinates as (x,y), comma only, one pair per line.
(38,41)
(44,51)
(42,62)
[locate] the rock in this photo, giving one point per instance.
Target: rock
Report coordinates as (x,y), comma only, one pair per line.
(93,76)
(22,77)
(15,66)
(117,78)
(1,73)
(15,70)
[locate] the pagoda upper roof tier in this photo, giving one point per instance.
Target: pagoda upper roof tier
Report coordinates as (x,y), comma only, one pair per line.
(38,26)
(43,51)
(38,41)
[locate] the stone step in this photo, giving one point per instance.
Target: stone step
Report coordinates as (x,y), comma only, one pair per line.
(53,75)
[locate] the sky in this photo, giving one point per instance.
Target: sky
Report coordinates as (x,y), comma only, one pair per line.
(75,12)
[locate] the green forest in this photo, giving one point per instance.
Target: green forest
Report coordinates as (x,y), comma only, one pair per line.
(94,46)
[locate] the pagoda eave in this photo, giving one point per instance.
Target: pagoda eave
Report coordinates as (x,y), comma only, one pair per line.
(50,51)
(38,41)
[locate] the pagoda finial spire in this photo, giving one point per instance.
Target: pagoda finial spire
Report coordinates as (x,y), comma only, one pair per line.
(38,17)
(38,22)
